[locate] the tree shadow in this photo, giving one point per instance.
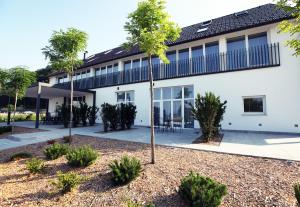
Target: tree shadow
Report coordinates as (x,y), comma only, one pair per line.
(169,200)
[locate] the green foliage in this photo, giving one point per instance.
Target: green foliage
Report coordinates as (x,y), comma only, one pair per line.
(5,129)
(201,191)
(83,113)
(76,116)
(127,115)
(82,156)
(109,115)
(297,193)
(150,27)
(35,165)
(126,170)
(67,181)
(18,117)
(209,111)
(64,110)
(19,79)
(20,155)
(292,27)
(92,114)
(55,151)
(64,48)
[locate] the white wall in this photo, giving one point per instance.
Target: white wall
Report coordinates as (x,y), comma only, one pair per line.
(53,102)
(280,85)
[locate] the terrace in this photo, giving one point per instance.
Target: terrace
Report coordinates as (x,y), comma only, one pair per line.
(258,57)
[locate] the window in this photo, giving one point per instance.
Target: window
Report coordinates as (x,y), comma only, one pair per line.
(125,97)
(183,62)
(197,60)
(78,76)
(212,57)
(155,67)
(254,104)
(127,67)
(258,49)
(136,63)
(236,53)
(103,70)
(83,74)
(172,105)
(109,69)
(88,73)
(116,67)
(60,80)
(97,71)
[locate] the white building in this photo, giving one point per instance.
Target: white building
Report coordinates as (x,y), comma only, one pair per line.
(241,57)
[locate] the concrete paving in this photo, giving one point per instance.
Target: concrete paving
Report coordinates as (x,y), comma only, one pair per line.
(272,145)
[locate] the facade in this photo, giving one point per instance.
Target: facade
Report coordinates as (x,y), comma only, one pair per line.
(241,57)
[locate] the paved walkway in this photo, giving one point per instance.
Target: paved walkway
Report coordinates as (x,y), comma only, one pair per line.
(282,146)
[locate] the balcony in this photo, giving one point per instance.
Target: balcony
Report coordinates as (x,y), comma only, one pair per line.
(254,58)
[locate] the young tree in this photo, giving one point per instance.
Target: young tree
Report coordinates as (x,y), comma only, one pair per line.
(291,26)
(19,79)
(63,50)
(150,27)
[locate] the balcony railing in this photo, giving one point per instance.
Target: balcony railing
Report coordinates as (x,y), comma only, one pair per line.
(255,57)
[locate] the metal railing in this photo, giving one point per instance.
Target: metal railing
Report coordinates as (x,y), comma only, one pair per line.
(255,57)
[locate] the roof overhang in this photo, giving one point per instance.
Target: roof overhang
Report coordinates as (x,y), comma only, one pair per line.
(49,91)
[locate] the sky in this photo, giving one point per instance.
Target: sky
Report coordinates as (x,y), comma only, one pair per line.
(26,25)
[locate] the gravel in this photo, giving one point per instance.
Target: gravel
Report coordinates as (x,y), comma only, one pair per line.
(251,181)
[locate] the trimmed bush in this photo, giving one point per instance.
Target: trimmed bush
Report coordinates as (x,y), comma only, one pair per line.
(55,151)
(208,111)
(20,155)
(82,156)
(297,193)
(83,112)
(35,165)
(126,170)
(109,115)
(127,115)
(67,181)
(201,191)
(5,129)
(92,114)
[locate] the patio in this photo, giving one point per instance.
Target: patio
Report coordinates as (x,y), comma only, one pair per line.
(272,145)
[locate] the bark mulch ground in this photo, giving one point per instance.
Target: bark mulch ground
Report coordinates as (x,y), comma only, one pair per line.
(20,130)
(250,181)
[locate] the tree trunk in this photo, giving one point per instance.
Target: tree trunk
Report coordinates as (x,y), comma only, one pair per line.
(71,106)
(15,108)
(151,111)
(8,111)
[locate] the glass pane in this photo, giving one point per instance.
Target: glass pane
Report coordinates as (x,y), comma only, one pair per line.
(183,62)
(155,67)
(136,63)
(258,50)
(253,105)
(177,92)
(116,67)
(103,70)
(109,69)
(177,118)
(97,71)
(236,53)
(83,75)
(212,57)
(121,97)
(156,113)
(127,65)
(170,69)
(166,93)
(188,118)
(157,93)
(189,92)
(167,111)
(197,60)
(129,96)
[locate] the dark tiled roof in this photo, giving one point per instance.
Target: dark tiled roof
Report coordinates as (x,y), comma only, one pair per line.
(258,16)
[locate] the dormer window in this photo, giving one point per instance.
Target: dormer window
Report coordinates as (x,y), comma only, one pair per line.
(206,23)
(241,13)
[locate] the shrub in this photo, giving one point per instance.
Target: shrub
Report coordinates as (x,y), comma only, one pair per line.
(208,111)
(126,170)
(5,129)
(92,114)
(82,156)
(127,115)
(76,116)
(83,112)
(297,193)
(55,151)
(109,115)
(35,165)
(201,191)
(20,155)
(67,181)
(64,110)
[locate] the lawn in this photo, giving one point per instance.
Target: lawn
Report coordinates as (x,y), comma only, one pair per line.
(250,181)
